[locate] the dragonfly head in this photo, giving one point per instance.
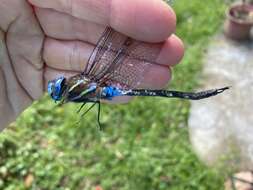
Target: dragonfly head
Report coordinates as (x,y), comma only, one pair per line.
(55,88)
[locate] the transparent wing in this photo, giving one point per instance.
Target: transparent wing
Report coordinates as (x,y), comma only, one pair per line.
(137,60)
(119,60)
(104,52)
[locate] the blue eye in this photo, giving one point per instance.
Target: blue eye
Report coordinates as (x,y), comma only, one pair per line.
(55,88)
(50,87)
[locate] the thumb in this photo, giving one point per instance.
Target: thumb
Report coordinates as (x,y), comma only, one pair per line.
(13,98)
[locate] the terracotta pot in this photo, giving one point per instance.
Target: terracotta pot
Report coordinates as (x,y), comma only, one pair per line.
(238,28)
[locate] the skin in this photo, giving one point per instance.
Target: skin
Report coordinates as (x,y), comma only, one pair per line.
(41,40)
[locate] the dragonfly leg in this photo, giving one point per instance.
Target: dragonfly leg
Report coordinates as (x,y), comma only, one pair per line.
(85,111)
(98,118)
(99,112)
(88,110)
(81,107)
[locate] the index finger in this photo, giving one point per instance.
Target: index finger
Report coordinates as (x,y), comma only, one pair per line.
(145,20)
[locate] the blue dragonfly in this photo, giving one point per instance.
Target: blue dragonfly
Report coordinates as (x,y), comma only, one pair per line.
(115,68)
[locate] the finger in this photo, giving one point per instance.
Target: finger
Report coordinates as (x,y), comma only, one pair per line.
(13,98)
(70,28)
(146,20)
(7,114)
(66,55)
(24,40)
(156,76)
(16,17)
(65,27)
(171,52)
(74,55)
(25,55)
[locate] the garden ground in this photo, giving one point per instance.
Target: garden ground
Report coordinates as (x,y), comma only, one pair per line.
(144,145)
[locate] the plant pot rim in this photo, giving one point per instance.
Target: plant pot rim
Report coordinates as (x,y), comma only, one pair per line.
(236,20)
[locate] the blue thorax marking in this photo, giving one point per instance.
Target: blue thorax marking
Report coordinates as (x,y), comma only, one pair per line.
(92,87)
(110,91)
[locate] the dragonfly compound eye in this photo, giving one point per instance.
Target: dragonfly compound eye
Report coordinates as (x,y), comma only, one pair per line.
(55,88)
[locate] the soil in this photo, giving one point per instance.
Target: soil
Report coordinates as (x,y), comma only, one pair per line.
(242,14)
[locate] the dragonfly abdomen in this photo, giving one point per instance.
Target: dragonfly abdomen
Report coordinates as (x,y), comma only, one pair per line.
(175,94)
(109,92)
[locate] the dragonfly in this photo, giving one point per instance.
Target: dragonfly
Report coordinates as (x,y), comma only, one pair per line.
(115,68)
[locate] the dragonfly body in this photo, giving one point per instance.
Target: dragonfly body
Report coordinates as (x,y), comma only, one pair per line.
(115,68)
(81,89)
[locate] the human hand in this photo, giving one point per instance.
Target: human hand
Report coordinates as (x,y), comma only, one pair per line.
(55,38)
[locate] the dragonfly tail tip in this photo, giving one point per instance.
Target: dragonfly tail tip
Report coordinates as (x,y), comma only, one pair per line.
(223,89)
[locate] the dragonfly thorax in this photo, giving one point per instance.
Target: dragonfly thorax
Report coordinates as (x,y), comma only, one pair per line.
(71,89)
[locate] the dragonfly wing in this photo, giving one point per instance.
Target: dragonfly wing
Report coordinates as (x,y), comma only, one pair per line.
(137,60)
(119,60)
(105,51)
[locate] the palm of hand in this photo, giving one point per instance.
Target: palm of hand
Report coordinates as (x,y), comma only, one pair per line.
(38,43)
(21,64)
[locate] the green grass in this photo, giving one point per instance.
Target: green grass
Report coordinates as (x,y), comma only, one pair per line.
(145,144)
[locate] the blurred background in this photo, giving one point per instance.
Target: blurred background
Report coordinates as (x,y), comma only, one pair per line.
(145,144)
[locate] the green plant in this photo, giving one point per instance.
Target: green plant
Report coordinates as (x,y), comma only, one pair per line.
(144,144)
